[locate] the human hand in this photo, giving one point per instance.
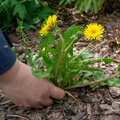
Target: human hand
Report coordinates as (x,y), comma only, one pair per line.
(27,91)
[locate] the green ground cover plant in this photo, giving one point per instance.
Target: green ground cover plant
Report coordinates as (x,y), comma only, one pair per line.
(85,5)
(57,61)
(31,11)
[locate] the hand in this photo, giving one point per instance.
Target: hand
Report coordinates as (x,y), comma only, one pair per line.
(27,91)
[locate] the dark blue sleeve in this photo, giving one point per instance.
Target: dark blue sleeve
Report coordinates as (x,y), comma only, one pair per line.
(7,57)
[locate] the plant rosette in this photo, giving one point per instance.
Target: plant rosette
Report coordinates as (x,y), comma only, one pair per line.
(56,60)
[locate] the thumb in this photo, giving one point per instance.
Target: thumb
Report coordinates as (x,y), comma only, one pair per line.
(56,92)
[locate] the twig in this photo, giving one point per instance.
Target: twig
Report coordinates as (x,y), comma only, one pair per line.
(17,116)
(5,102)
(90,83)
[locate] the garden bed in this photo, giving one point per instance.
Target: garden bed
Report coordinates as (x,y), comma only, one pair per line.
(98,103)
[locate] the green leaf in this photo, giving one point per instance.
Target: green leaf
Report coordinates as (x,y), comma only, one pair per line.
(117,82)
(100,3)
(90,69)
(70,32)
(22,1)
(20,22)
(95,7)
(108,60)
(48,40)
(60,101)
(29,27)
(68,2)
(44,13)
(114,82)
(68,35)
(61,2)
(87,74)
(118,68)
(85,68)
(95,60)
(31,7)
(13,2)
(79,5)
(47,60)
(39,74)
(92,60)
(14,50)
(20,9)
(87,54)
(111,82)
(88,3)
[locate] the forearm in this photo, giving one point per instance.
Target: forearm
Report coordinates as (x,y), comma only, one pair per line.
(10,75)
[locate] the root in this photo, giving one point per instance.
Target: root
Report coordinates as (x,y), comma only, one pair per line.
(69,94)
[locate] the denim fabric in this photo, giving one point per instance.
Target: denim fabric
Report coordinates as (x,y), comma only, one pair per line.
(7,57)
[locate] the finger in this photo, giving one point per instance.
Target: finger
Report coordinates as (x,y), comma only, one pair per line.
(27,107)
(24,107)
(38,106)
(47,102)
(56,93)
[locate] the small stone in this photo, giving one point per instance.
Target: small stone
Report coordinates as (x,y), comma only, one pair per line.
(95,113)
(115,106)
(114,91)
(105,107)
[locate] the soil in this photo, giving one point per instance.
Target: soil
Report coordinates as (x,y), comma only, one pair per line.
(98,103)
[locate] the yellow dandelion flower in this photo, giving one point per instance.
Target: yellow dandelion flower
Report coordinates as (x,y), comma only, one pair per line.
(93,31)
(50,24)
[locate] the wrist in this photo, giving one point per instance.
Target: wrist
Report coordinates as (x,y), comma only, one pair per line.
(10,75)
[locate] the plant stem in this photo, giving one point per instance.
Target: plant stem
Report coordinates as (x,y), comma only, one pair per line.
(26,45)
(60,58)
(90,83)
(81,52)
(69,46)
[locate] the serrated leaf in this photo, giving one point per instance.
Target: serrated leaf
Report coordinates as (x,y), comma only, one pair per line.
(70,32)
(68,36)
(95,60)
(44,13)
(20,9)
(88,61)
